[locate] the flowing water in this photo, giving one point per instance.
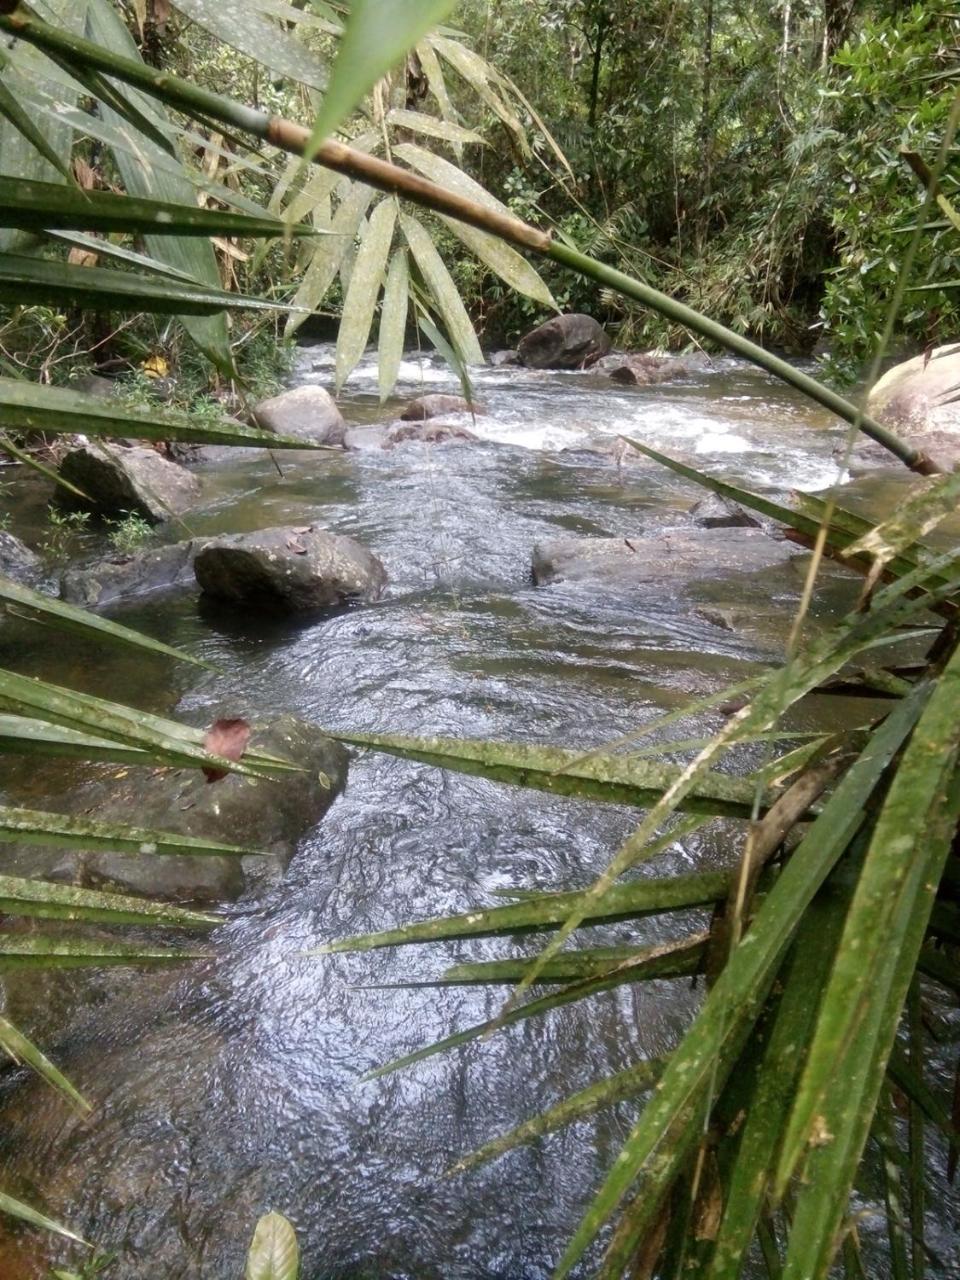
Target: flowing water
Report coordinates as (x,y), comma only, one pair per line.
(235,1085)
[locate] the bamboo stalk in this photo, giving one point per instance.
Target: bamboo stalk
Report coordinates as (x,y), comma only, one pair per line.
(294,138)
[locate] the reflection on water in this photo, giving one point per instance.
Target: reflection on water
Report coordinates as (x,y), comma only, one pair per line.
(235,1086)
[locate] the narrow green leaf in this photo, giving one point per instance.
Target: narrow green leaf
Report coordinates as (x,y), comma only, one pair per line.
(46,607)
(28,406)
(328,256)
(60,830)
(42,900)
(374,38)
(30,205)
(26,280)
(393,323)
(738,994)
(7,446)
(431,127)
(267,43)
(274,1253)
(365,280)
(17,1209)
(619,779)
(20,1049)
(146,171)
(440,283)
(44,951)
(25,124)
(482,78)
(671,960)
(605,1093)
(21,736)
(623,901)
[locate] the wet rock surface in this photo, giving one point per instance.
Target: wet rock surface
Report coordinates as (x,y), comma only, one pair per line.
(715,512)
(294,569)
(18,562)
(263,814)
(307,413)
(123,577)
(135,481)
(574,341)
(922,394)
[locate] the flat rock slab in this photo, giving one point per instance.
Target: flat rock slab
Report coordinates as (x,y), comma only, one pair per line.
(437,406)
(667,556)
(307,413)
(134,481)
(18,562)
(266,815)
(289,570)
(123,577)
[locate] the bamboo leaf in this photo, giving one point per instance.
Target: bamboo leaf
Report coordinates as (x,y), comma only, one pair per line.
(374,38)
(618,779)
(148,174)
(60,830)
(44,951)
(16,1209)
(481,77)
(884,931)
(738,994)
(440,283)
(445,130)
(546,911)
(441,171)
(328,256)
(504,262)
(922,511)
(670,960)
(26,280)
(30,205)
(274,1253)
(365,280)
(44,606)
(25,124)
(28,407)
(605,1093)
(268,43)
(39,899)
(7,446)
(20,1049)
(393,323)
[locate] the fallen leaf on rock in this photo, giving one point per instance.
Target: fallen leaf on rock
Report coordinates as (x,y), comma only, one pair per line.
(296,547)
(226,738)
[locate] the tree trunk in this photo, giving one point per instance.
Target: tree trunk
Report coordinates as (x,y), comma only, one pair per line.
(704,133)
(603,25)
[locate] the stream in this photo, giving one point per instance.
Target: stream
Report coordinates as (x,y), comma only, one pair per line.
(234,1085)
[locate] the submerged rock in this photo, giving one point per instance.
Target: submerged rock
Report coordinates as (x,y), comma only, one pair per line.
(134,481)
(289,570)
(434,406)
(427,433)
(501,359)
(673,554)
(644,369)
(565,342)
(119,577)
(307,413)
(268,816)
(18,562)
(364,439)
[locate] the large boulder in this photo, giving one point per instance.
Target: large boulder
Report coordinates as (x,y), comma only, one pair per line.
(288,570)
(436,406)
(564,342)
(920,395)
(18,562)
(121,577)
(679,555)
(307,413)
(268,816)
(134,481)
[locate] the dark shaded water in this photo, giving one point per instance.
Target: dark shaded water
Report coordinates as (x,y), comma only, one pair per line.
(235,1086)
